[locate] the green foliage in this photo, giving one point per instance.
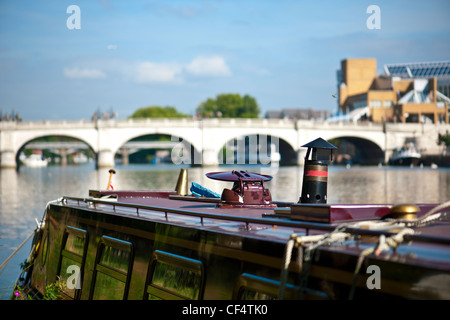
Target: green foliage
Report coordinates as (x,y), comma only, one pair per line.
(53,290)
(444,139)
(157,112)
(229,106)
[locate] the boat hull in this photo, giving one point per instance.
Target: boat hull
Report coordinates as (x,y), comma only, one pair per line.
(150,254)
(407,161)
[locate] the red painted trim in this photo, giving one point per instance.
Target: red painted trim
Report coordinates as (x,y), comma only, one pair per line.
(316,173)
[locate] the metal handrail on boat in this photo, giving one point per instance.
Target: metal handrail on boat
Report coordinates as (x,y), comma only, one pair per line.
(282,222)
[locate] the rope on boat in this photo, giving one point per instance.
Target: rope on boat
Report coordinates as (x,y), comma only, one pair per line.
(17,250)
(384,244)
(286,261)
(39,227)
(315,241)
(340,234)
(431,216)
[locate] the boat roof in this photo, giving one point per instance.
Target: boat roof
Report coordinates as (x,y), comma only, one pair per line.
(275,223)
(330,213)
(428,243)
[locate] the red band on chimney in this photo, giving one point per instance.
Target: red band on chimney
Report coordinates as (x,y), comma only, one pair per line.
(316,173)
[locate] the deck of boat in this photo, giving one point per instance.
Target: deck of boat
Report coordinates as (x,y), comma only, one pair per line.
(428,243)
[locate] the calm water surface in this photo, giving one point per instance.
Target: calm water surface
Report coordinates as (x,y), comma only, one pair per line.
(24,194)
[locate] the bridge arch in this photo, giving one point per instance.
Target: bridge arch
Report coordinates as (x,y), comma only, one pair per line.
(87,136)
(120,137)
(357,150)
(256,148)
(62,144)
(180,149)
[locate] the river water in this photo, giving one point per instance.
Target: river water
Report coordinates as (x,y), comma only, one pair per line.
(25,193)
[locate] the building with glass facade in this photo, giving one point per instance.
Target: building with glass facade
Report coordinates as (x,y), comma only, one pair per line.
(406,93)
(424,70)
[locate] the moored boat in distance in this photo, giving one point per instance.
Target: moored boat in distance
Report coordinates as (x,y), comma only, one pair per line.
(405,156)
(237,244)
(34,160)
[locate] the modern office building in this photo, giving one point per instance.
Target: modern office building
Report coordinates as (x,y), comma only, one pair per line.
(406,93)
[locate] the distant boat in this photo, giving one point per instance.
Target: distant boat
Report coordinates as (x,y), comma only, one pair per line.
(35,160)
(405,156)
(80,158)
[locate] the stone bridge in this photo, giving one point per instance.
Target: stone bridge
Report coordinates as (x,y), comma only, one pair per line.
(205,139)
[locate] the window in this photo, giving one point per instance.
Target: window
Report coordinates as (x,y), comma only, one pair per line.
(112,269)
(375,103)
(71,263)
(359,104)
(173,277)
(388,103)
(251,287)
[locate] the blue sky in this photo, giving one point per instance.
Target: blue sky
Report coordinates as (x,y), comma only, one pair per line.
(132,54)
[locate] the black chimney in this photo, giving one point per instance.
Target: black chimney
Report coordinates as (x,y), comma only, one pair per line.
(315,174)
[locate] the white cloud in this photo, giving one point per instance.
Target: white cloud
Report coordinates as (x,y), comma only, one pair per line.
(208,66)
(157,72)
(80,73)
(212,66)
(152,72)
(112,47)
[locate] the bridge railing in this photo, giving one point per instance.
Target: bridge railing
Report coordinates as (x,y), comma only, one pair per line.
(220,122)
(23,125)
(155,122)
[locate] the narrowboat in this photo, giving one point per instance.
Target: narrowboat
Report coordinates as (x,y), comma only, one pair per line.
(196,244)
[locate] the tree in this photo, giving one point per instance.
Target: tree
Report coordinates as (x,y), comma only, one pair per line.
(444,139)
(157,112)
(229,106)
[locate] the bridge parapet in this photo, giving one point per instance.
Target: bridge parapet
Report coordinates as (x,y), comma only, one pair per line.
(46,124)
(156,122)
(248,123)
(215,122)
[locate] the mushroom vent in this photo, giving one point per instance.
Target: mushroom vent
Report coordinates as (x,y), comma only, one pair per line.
(248,189)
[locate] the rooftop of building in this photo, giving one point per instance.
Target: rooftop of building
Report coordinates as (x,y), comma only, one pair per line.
(437,69)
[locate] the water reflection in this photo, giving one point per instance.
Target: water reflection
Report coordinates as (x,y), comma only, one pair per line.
(388,185)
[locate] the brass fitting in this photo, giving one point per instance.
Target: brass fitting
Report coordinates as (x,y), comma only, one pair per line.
(404,211)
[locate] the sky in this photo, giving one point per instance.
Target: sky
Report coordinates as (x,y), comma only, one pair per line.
(57,63)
